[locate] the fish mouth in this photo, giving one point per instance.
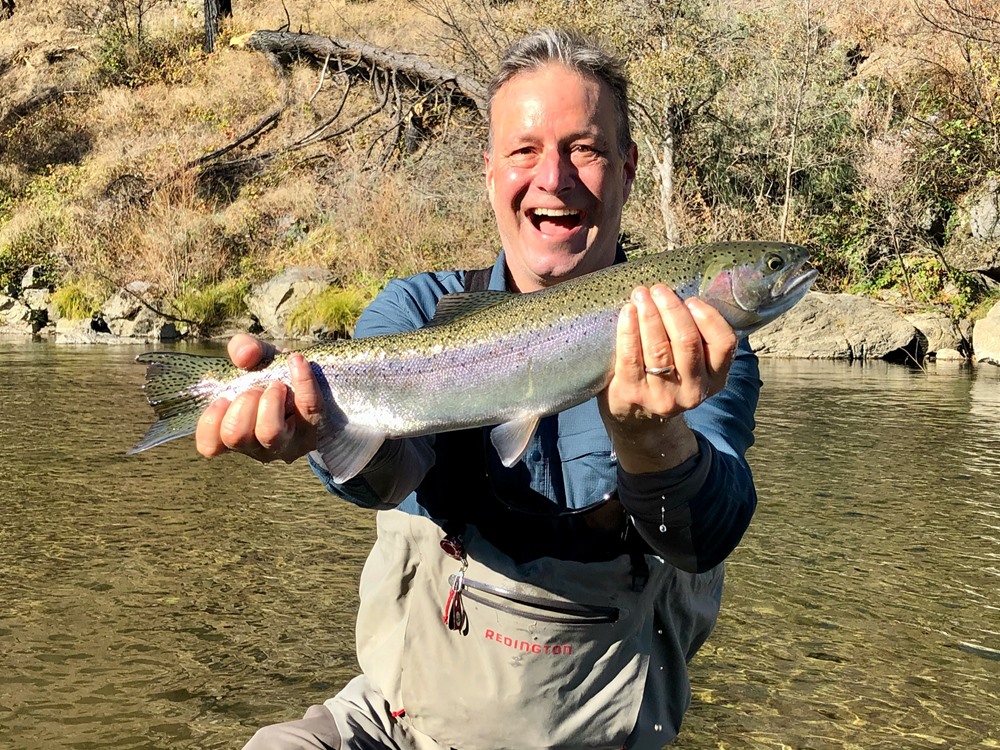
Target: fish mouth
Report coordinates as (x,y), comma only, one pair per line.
(800,274)
(791,286)
(548,220)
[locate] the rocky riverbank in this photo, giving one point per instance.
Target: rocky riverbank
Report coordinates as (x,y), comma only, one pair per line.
(822,326)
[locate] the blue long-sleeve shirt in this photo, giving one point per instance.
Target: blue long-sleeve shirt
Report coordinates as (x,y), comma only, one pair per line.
(692,515)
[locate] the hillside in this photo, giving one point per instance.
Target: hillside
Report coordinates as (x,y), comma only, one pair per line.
(127,152)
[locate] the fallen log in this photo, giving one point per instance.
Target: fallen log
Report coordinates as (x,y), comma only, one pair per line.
(365,58)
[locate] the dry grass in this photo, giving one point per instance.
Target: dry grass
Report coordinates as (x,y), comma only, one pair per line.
(99,180)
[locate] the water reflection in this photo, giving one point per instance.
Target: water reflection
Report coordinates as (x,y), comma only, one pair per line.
(163,601)
(863,604)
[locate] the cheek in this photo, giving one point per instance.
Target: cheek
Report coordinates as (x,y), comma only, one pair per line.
(508,188)
(719,288)
(749,289)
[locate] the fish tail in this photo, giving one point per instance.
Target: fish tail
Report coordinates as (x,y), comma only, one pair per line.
(180,387)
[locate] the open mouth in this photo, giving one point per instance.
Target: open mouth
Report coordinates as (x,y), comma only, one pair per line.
(789,288)
(796,281)
(552,220)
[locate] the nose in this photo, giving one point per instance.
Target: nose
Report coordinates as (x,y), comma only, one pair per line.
(556,172)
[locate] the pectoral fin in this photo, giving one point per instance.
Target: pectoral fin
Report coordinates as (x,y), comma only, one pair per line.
(347,448)
(511,438)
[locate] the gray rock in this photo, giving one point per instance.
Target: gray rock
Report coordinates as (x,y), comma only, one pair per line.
(13,311)
(984,214)
(273,302)
(839,326)
(36,299)
(15,319)
(986,337)
(81,332)
(127,317)
(33,278)
(125,303)
(940,331)
(975,243)
(950,355)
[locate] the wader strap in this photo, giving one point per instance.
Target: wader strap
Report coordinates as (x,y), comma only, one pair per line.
(478,280)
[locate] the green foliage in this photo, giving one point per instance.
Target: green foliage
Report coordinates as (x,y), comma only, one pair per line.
(35,236)
(211,306)
(928,283)
(16,258)
(335,310)
(79,299)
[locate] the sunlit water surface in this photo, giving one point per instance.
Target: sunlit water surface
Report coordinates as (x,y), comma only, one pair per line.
(165,601)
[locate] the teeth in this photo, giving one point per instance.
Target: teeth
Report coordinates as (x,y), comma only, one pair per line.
(555,212)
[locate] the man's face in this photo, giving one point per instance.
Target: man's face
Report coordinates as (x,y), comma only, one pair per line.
(555,177)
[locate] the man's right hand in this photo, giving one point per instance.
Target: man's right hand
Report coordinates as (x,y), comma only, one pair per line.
(266,424)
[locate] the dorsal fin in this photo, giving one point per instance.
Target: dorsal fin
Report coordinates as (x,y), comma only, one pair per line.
(451,307)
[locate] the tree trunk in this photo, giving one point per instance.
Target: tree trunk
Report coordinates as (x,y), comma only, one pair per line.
(665,166)
(215,11)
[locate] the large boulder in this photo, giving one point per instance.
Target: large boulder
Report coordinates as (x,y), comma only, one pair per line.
(840,326)
(127,316)
(273,302)
(986,337)
(944,339)
(83,331)
(975,243)
(16,320)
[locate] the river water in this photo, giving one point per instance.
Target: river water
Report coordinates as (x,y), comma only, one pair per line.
(165,601)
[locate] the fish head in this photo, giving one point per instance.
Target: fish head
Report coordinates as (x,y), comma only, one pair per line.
(752,283)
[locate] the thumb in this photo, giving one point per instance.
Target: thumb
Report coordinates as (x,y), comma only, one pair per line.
(307,396)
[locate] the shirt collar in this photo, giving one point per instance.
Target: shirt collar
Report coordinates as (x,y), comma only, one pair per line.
(498,277)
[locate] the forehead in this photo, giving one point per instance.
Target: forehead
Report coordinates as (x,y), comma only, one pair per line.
(552,91)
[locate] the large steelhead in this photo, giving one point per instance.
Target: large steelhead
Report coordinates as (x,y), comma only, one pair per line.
(487,358)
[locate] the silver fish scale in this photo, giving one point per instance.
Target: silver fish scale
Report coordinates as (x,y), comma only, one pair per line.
(530,353)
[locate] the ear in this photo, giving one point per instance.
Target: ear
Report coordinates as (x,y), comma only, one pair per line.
(490,187)
(631,160)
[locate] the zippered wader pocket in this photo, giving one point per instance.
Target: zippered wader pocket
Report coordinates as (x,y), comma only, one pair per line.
(538,608)
(550,653)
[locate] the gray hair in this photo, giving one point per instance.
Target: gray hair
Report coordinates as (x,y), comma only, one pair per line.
(576,52)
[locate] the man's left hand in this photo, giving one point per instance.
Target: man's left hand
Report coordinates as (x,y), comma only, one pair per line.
(670,356)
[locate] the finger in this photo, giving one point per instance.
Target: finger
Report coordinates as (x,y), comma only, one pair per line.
(308,396)
(719,339)
(682,331)
(238,430)
(272,428)
(628,347)
(656,345)
(206,433)
(249,352)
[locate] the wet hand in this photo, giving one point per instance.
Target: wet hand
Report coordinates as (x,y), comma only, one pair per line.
(267,424)
(670,356)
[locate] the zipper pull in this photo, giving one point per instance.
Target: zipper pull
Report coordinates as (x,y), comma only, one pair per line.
(454,611)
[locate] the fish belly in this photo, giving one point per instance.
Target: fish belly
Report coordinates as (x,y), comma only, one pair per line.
(483,382)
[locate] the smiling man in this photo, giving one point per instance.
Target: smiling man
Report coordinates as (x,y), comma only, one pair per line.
(557,176)
(554,603)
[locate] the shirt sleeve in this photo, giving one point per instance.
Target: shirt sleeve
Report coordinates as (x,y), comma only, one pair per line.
(695,514)
(399,465)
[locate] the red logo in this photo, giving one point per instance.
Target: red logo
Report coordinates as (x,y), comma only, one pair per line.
(559,649)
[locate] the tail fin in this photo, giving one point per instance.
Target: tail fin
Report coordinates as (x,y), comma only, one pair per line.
(180,387)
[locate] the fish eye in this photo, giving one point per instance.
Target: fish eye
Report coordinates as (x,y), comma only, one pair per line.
(774,262)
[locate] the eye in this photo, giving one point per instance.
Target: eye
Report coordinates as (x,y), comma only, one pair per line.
(774,262)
